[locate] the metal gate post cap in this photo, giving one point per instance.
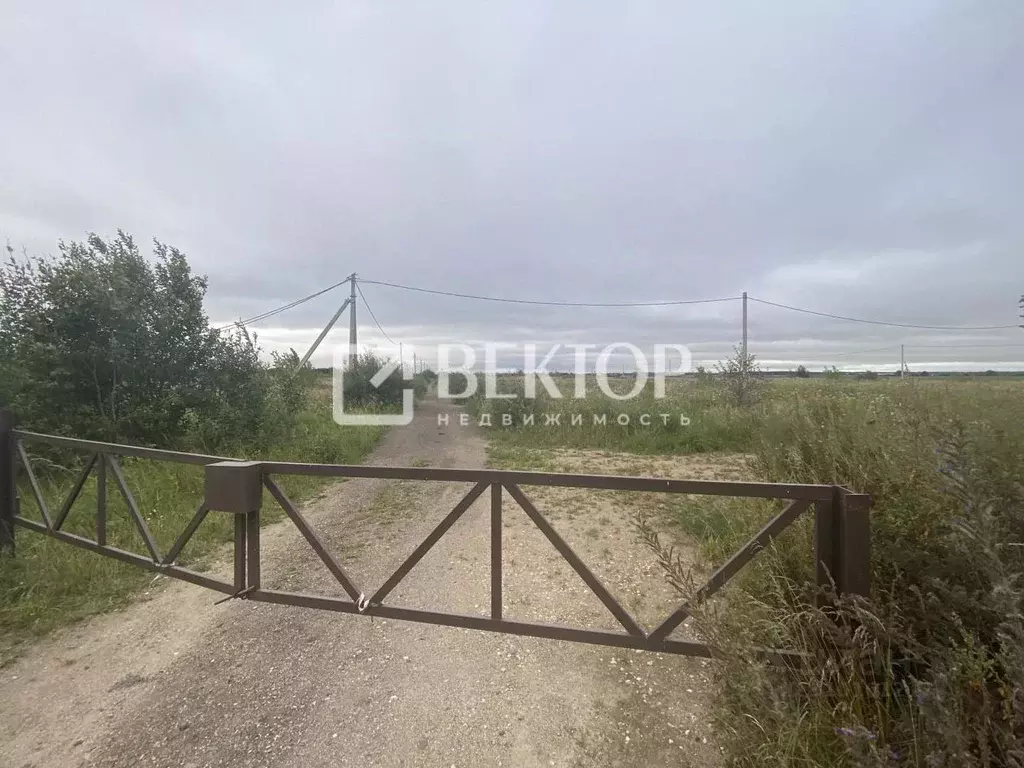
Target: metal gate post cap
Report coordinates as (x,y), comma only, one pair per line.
(234,486)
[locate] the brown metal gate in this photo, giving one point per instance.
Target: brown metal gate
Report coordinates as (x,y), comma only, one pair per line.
(841,533)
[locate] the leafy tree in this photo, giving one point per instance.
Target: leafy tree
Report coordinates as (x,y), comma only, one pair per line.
(802,372)
(100,342)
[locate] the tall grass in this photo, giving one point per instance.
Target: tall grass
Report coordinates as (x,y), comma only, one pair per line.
(927,672)
(930,670)
(693,418)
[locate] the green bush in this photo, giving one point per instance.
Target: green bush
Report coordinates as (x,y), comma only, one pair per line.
(99,342)
(359,390)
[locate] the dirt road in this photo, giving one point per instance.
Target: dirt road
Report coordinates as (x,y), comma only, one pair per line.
(178,681)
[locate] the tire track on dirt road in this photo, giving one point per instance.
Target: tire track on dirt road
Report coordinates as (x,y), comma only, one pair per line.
(178,681)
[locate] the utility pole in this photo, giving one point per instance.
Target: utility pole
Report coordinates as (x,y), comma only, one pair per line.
(352,339)
(349,302)
(1020,311)
(903,363)
(744,325)
(744,360)
(401,358)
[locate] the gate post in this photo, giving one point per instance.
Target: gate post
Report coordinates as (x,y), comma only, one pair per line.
(8,490)
(496,572)
(237,487)
(842,542)
(855,543)
(825,548)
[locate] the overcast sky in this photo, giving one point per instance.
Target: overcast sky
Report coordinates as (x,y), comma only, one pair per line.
(864,159)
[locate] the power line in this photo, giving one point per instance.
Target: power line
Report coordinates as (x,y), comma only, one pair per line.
(370,310)
(295,303)
(881,322)
(551,303)
(627,304)
(279,310)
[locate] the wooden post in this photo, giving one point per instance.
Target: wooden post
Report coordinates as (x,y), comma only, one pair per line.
(8,491)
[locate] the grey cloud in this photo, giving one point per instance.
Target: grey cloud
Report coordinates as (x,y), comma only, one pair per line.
(858,159)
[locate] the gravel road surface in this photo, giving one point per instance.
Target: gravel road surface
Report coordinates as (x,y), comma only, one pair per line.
(175,680)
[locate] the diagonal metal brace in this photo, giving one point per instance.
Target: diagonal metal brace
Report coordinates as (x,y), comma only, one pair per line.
(427,544)
(37,492)
(311,536)
(728,569)
(621,614)
(76,490)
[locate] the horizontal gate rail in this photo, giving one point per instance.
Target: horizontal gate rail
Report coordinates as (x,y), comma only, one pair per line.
(504,477)
(841,533)
(528,629)
(116,449)
(557,479)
